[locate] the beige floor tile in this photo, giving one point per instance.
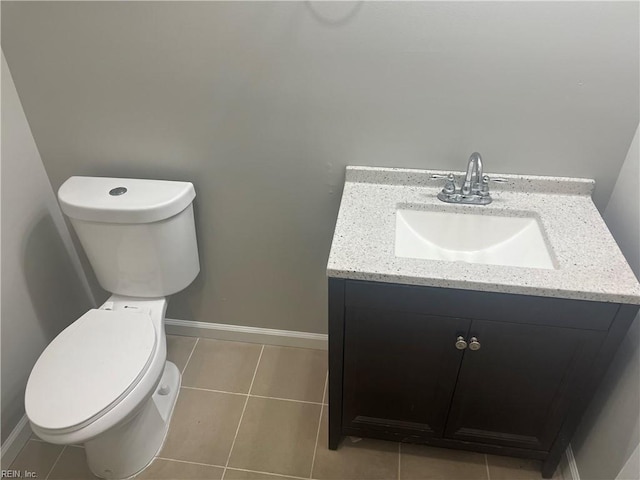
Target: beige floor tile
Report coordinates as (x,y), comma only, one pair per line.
(203,426)
(419,462)
(295,373)
(276,436)
(72,466)
(364,459)
(179,348)
(162,469)
(37,457)
(220,365)
(509,468)
(231,474)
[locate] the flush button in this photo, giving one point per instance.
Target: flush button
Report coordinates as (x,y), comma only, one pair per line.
(117,191)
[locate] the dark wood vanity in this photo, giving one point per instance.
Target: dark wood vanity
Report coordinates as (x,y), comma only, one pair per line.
(498,373)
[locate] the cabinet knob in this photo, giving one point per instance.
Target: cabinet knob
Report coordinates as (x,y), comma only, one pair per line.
(474,344)
(461,343)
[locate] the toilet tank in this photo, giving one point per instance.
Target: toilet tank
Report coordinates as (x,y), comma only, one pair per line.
(139,235)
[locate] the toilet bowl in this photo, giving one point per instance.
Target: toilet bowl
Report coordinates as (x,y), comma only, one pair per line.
(107,373)
(105,381)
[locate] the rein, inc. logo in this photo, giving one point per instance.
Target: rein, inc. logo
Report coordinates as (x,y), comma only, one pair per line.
(18,474)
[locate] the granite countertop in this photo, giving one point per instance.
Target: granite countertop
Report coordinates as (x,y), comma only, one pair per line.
(589,264)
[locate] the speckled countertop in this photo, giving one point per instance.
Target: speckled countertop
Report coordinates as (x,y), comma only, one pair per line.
(589,264)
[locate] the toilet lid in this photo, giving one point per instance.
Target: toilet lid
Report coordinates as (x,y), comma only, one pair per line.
(89,367)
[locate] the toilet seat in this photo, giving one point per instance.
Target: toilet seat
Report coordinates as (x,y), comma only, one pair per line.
(87,369)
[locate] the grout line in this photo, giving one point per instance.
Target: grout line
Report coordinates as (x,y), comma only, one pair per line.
(255,372)
(56,462)
(190,355)
(215,391)
(399,459)
(315,449)
(267,473)
(242,414)
(326,387)
(191,463)
(253,396)
(288,400)
(11,465)
(486,464)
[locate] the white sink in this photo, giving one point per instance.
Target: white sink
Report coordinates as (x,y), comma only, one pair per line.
(467,237)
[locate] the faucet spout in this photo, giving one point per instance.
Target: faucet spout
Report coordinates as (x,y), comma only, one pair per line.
(473,179)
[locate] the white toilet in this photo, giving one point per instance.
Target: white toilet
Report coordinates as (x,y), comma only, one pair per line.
(104,381)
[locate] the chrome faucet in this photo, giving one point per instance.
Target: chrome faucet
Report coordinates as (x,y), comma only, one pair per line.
(474,190)
(473,179)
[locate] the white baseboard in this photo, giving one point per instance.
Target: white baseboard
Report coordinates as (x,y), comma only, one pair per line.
(269,336)
(17,439)
(572,466)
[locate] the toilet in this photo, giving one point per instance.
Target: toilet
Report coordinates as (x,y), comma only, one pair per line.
(105,381)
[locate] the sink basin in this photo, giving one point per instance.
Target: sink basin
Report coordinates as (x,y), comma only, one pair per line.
(467,237)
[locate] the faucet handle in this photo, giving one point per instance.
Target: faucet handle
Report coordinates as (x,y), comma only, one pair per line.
(450,185)
(484,190)
(487,179)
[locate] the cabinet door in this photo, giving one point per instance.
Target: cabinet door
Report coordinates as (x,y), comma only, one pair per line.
(399,371)
(516,389)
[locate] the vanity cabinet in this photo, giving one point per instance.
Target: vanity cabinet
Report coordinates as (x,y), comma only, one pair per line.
(397,373)
(382,364)
(516,390)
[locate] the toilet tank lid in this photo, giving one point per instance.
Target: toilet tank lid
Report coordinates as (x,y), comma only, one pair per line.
(123,200)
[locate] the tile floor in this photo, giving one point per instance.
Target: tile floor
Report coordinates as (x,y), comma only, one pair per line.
(249,411)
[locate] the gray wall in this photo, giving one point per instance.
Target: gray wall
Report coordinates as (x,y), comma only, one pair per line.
(610,430)
(631,469)
(41,281)
(263,104)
